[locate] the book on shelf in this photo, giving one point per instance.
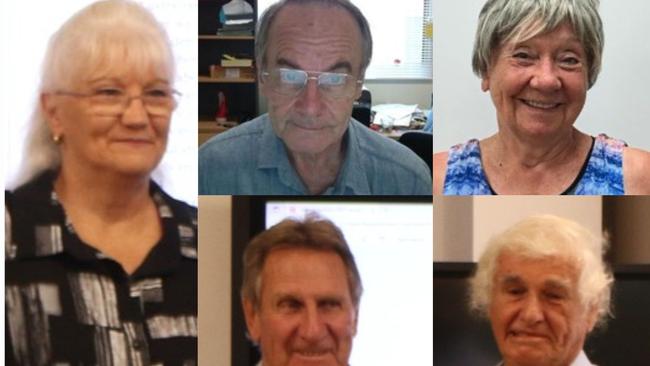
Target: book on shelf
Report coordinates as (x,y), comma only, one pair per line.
(236,61)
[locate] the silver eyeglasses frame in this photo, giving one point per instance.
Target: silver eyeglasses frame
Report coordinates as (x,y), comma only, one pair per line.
(318,77)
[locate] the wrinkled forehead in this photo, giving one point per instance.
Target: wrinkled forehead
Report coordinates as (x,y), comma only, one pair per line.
(314,27)
(283,263)
(519,267)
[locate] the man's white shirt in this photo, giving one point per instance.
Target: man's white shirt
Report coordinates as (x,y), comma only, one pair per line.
(581,360)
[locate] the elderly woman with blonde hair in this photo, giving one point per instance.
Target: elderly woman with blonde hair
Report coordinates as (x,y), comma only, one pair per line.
(538,59)
(100,261)
(544,287)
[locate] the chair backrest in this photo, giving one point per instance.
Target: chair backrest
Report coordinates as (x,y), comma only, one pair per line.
(361,109)
(420,143)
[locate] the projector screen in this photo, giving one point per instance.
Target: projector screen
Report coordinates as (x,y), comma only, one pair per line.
(392,245)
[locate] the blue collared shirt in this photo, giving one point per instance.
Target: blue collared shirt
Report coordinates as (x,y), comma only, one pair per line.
(251,159)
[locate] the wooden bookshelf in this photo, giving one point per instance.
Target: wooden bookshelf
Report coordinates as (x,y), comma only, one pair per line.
(241,92)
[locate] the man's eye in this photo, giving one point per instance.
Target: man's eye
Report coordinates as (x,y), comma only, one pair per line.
(332,79)
(291,77)
(554,296)
(289,304)
(332,304)
(515,291)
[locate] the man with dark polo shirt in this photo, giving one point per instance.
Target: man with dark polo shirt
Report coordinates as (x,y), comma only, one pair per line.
(311,57)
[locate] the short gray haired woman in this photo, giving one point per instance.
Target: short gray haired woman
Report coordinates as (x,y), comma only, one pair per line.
(538,59)
(544,287)
(100,261)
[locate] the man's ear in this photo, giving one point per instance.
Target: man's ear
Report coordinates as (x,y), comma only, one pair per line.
(592,318)
(359,87)
(50,107)
(358,91)
(252,319)
(261,81)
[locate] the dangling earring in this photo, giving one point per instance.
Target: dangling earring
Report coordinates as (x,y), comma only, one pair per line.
(56,139)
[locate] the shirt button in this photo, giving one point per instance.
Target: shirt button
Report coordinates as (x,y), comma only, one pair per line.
(137,344)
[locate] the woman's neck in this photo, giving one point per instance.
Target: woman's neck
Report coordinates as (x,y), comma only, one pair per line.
(108,195)
(528,153)
(112,213)
(545,165)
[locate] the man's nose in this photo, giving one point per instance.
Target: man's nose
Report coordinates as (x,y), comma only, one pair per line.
(546,77)
(313,327)
(532,311)
(310,99)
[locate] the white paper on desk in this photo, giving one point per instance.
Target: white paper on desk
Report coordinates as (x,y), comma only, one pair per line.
(395,115)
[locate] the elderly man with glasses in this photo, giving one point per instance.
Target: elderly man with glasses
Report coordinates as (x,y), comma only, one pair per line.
(311,56)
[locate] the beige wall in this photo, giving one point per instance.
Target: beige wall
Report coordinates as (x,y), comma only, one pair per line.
(494,214)
(452,228)
(462,225)
(214,280)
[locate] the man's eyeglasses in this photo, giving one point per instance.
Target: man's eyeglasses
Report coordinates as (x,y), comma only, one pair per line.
(291,82)
(114,101)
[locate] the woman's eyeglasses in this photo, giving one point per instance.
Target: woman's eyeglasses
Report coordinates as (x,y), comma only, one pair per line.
(114,101)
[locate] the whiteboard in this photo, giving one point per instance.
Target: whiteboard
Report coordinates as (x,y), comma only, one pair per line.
(618,104)
(26,28)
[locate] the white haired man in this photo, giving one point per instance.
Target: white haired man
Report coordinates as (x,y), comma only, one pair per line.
(544,287)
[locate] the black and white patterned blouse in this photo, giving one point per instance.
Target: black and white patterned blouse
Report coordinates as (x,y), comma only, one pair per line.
(68,304)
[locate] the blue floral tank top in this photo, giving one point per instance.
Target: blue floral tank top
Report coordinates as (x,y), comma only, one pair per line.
(602,173)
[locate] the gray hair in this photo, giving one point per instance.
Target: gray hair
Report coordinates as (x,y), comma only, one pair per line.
(542,237)
(266,21)
(502,21)
(101,36)
(312,233)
